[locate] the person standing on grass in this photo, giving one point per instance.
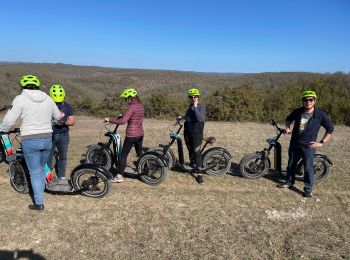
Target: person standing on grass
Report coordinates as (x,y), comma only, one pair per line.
(60,137)
(36,110)
(193,130)
(307,122)
(134,131)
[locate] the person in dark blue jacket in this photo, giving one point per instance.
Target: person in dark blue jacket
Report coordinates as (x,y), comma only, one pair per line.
(60,135)
(308,120)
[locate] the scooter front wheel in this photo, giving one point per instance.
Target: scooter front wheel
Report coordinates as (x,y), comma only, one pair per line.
(18,177)
(253,166)
(152,169)
(92,182)
(99,155)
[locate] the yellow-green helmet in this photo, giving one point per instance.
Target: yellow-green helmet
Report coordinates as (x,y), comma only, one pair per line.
(129,92)
(309,93)
(57,93)
(193,92)
(29,80)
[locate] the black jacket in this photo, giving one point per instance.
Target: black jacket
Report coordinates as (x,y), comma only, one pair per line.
(318,119)
(195,118)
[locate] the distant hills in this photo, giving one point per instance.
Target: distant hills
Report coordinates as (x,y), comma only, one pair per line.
(98,82)
(93,85)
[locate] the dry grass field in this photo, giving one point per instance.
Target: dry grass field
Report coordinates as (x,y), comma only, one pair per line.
(229,217)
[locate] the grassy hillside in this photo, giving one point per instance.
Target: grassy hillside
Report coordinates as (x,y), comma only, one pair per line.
(228,217)
(230,97)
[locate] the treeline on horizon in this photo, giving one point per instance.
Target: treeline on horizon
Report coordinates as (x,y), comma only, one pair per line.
(238,104)
(257,97)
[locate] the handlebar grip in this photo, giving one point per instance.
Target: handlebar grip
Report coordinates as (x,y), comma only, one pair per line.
(14,131)
(179,119)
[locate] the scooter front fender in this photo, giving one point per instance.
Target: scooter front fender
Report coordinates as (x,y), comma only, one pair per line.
(325,157)
(219,149)
(267,157)
(104,146)
(160,156)
(93,167)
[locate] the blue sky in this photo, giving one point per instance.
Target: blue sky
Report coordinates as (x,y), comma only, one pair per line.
(206,36)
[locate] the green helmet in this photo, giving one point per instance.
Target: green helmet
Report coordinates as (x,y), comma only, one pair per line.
(29,80)
(193,92)
(309,93)
(57,93)
(129,92)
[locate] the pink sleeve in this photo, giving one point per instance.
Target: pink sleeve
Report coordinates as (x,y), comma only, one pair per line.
(124,119)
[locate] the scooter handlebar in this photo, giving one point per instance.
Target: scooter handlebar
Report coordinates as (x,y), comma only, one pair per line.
(13,131)
(180,120)
(274,124)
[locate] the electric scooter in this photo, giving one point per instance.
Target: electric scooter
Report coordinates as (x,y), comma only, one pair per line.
(88,179)
(151,168)
(257,164)
(216,160)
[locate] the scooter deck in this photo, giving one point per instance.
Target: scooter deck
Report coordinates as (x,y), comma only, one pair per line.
(59,186)
(129,170)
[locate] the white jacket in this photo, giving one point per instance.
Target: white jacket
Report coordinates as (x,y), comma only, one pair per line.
(36,110)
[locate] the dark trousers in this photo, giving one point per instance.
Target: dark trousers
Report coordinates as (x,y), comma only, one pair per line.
(129,142)
(193,143)
(61,142)
(296,152)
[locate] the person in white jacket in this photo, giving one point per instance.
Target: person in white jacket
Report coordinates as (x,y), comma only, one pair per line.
(36,110)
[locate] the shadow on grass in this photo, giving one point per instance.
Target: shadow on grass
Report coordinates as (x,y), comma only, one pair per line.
(234,170)
(20,254)
(274,176)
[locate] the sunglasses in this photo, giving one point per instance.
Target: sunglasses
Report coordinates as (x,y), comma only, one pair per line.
(192,97)
(308,99)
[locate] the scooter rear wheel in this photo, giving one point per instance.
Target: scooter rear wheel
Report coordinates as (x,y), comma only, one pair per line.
(91,182)
(253,166)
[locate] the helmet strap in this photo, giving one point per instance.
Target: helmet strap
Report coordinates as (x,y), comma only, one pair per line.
(30,87)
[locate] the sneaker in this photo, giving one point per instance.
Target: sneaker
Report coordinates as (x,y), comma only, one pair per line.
(200,179)
(55,180)
(119,178)
(284,185)
(38,207)
(307,194)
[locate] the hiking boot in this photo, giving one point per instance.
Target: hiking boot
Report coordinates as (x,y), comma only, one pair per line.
(307,194)
(200,179)
(284,185)
(117,179)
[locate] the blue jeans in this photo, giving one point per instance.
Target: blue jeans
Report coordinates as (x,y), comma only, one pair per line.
(296,152)
(36,153)
(61,141)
